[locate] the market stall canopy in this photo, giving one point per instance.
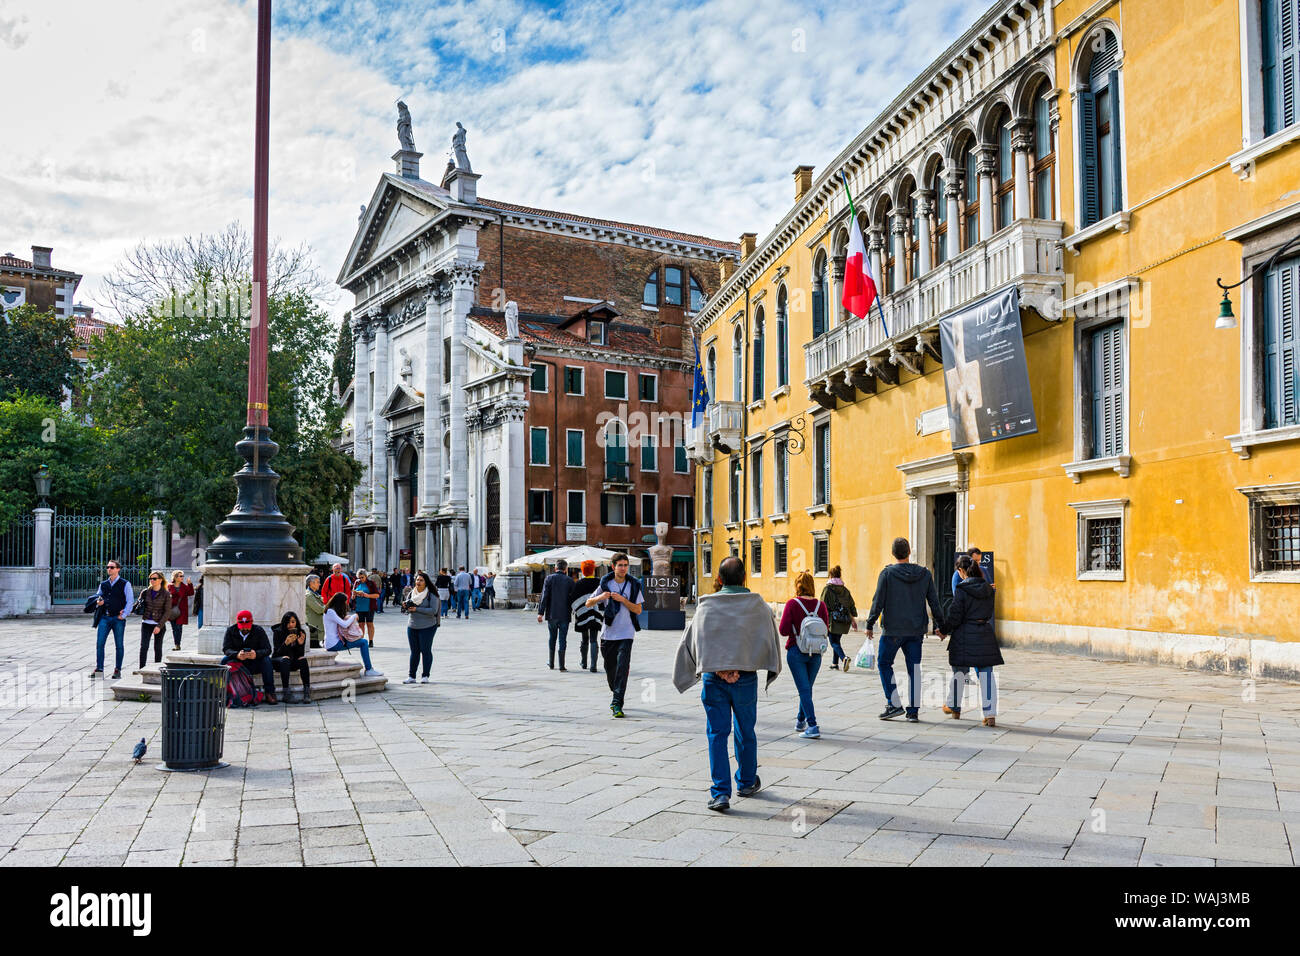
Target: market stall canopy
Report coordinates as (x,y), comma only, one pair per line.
(326,558)
(574,554)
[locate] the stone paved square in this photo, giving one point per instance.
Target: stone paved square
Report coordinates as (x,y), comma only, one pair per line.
(502,761)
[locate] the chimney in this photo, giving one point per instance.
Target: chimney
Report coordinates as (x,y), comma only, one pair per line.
(41,257)
(408,163)
(725,268)
(802,181)
(748,242)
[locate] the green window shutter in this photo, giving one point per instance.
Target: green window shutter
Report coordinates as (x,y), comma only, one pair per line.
(649,454)
(604,508)
(539,378)
(630,508)
(1288,66)
(1108,391)
(1088,157)
(575,449)
(1117,165)
(679,458)
(538,453)
(1270,45)
(1281,344)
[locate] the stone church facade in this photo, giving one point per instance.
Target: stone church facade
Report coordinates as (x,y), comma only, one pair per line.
(438,411)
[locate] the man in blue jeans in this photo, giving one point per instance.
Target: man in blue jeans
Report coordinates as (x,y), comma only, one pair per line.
(113,602)
(729,640)
(462,584)
(902,592)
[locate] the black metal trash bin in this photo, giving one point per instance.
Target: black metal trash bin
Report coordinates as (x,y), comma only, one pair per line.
(193,716)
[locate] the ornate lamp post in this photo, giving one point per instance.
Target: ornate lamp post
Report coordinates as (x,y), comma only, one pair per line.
(255,532)
(43,482)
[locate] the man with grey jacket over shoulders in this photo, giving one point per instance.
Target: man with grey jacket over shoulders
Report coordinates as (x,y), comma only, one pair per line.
(731,637)
(902,592)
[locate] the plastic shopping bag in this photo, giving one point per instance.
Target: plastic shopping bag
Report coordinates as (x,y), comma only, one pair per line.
(866,658)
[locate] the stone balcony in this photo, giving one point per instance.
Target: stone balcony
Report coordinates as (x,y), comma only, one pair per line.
(726,422)
(851,358)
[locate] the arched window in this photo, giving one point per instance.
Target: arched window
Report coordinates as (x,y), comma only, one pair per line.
(711,373)
(1005,188)
(1044,159)
(651,294)
(891,255)
(819,293)
(697,295)
(782,338)
(673,286)
(1099,134)
(757,377)
(738,365)
(939,232)
(970,210)
(492,507)
(615,451)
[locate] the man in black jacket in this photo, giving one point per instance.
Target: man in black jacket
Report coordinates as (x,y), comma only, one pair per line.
(557,594)
(902,592)
(247,643)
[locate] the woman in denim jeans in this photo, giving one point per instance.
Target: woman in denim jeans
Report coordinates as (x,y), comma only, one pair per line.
(803,667)
(423,618)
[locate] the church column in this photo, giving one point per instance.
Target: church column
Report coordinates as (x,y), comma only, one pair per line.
(431,464)
(464,280)
(952,195)
(382,448)
(361,416)
(876,243)
(924,206)
(1022,143)
(987,165)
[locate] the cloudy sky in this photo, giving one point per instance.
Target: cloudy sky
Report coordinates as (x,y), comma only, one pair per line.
(132,120)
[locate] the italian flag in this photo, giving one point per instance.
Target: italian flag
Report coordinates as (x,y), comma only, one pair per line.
(859,286)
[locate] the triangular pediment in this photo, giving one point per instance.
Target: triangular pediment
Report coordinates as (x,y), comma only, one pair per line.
(397,210)
(402,398)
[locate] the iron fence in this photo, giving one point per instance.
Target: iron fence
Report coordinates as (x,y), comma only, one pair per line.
(83,545)
(18,543)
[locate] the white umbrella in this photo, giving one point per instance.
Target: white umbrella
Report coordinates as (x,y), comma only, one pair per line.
(326,558)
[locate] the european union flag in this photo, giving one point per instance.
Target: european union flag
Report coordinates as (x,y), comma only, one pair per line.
(699,391)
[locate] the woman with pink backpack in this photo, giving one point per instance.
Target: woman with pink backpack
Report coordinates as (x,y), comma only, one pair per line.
(805,623)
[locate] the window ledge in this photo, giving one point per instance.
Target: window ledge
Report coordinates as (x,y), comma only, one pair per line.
(1243,443)
(819,510)
(1119,464)
(753,522)
(756,405)
(1243,163)
(732,525)
(779,517)
(1101,575)
(1118,221)
(649,308)
(1275,577)
(783,390)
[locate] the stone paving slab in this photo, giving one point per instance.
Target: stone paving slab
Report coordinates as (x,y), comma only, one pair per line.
(501,761)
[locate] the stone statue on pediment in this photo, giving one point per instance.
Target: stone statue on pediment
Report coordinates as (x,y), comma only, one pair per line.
(512,320)
(404,135)
(461,157)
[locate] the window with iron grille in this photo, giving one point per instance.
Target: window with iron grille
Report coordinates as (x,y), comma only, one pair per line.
(778,556)
(756,557)
(1281,538)
(492,507)
(1105,538)
(821,555)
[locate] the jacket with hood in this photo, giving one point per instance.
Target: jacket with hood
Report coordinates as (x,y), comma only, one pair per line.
(969,626)
(837,596)
(902,592)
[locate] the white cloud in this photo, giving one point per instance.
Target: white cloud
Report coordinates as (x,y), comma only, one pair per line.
(135,118)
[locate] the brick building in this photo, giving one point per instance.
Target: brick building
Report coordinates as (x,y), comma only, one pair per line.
(37,282)
(483,473)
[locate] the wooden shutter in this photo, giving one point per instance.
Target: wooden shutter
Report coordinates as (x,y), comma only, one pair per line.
(1282,345)
(1288,61)
(1088,156)
(604,508)
(1117,163)
(630,506)
(818,310)
(1108,391)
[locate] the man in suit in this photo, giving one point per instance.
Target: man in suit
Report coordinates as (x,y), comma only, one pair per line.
(554,606)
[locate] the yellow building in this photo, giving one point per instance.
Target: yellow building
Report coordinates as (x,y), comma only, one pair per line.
(1109,162)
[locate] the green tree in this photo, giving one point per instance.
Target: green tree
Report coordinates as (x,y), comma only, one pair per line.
(36,353)
(170,387)
(344,356)
(35,431)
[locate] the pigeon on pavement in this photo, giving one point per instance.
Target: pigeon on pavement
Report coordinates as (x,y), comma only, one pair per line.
(140,748)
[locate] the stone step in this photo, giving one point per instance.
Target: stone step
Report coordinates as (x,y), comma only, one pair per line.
(329,677)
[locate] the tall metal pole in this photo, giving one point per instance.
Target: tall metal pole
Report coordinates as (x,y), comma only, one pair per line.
(255,532)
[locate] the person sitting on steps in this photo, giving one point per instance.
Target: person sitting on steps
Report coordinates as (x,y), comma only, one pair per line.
(246,643)
(336,638)
(289,654)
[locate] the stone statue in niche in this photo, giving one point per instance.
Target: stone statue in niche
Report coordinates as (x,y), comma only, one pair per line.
(404,135)
(407,370)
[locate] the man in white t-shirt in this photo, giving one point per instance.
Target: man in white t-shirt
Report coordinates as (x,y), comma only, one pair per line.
(622,594)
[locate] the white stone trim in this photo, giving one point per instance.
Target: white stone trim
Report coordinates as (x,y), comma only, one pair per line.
(1092,510)
(1119,221)
(1260,497)
(1120,464)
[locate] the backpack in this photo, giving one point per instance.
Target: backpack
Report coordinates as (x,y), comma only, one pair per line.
(240,691)
(840,616)
(813,636)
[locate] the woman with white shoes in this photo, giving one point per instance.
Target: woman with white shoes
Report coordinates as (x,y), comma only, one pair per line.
(422,620)
(337,636)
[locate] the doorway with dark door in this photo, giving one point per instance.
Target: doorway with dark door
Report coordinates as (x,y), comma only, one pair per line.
(943,554)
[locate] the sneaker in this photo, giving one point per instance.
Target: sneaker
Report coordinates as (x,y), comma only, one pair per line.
(990,722)
(812,733)
(720,804)
(424,680)
(373,673)
(409,680)
(799,725)
(96,673)
(890,712)
(845,662)
(752,789)
(913,718)
(117,675)
(618,711)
